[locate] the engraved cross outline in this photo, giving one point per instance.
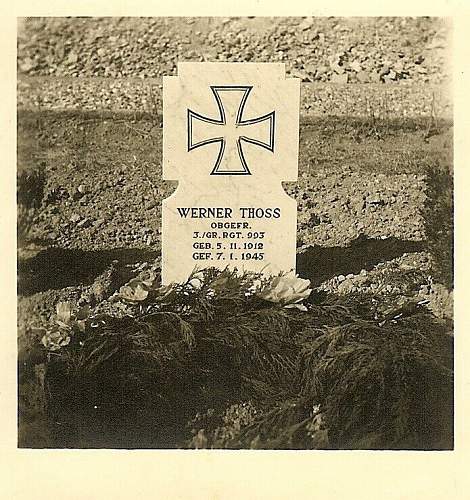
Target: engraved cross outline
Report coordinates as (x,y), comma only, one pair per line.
(231,118)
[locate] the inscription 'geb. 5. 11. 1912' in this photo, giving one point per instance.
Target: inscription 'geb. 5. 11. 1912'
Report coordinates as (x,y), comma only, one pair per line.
(230,130)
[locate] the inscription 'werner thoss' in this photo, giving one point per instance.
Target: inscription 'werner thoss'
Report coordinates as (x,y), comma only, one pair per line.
(230,138)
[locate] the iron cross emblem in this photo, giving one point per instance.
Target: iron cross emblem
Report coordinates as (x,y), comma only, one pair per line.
(230,130)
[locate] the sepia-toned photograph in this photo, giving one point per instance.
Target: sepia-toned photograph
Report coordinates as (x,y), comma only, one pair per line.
(235,233)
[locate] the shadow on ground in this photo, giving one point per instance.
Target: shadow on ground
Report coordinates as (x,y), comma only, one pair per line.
(322,263)
(56,268)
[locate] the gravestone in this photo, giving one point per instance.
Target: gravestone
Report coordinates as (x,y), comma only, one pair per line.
(230,137)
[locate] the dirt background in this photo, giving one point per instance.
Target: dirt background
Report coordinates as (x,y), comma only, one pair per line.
(366,49)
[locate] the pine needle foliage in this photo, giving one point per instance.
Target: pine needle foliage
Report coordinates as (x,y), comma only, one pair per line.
(373,383)
(212,365)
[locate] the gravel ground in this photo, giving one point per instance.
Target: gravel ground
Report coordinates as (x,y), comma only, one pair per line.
(117,64)
(408,100)
(321,49)
(334,208)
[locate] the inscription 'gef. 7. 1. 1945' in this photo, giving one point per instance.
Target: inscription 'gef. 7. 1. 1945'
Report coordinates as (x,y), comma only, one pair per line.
(230,138)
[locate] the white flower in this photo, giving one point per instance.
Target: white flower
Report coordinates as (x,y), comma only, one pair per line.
(53,340)
(197,279)
(63,314)
(138,289)
(68,320)
(287,290)
(134,291)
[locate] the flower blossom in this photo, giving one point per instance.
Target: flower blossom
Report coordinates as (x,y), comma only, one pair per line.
(287,290)
(138,289)
(66,322)
(53,340)
(134,291)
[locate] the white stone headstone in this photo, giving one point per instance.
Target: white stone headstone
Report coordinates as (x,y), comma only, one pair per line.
(230,137)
